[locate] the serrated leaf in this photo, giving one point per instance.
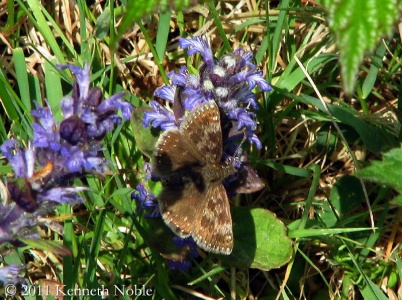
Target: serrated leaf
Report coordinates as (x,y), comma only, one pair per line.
(387,172)
(260,240)
(145,138)
(358,26)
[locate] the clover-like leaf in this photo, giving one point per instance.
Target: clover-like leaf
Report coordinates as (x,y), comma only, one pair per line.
(260,240)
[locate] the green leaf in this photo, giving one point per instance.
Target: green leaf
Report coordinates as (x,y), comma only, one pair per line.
(22,77)
(145,138)
(346,196)
(372,291)
(103,23)
(260,240)
(387,172)
(326,141)
(305,233)
(37,17)
(54,92)
(162,34)
(358,26)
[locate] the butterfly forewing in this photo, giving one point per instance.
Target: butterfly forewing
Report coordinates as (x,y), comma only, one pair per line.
(202,130)
(172,154)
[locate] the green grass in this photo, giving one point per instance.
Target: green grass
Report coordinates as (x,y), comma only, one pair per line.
(345,231)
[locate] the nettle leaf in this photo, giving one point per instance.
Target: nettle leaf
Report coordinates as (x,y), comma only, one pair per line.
(358,26)
(387,172)
(260,240)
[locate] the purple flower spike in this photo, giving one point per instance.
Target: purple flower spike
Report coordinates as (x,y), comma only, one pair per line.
(61,152)
(145,201)
(159,117)
(82,77)
(10,274)
(198,45)
(115,103)
(166,92)
(182,265)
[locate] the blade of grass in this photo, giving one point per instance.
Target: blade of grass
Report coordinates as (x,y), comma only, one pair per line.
(7,96)
(351,153)
(62,36)
(219,27)
(84,46)
(54,92)
(154,53)
(89,278)
(41,24)
(12,105)
(22,78)
(70,242)
(280,25)
(162,33)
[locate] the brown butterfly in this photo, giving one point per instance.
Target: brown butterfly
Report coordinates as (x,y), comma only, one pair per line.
(193,201)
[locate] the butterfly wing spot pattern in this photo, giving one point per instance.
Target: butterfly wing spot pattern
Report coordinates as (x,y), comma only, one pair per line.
(193,201)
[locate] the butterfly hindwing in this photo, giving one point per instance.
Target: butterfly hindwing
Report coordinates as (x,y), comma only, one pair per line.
(213,225)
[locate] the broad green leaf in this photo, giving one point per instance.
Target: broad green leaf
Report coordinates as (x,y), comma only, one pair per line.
(260,240)
(398,200)
(387,172)
(145,138)
(358,26)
